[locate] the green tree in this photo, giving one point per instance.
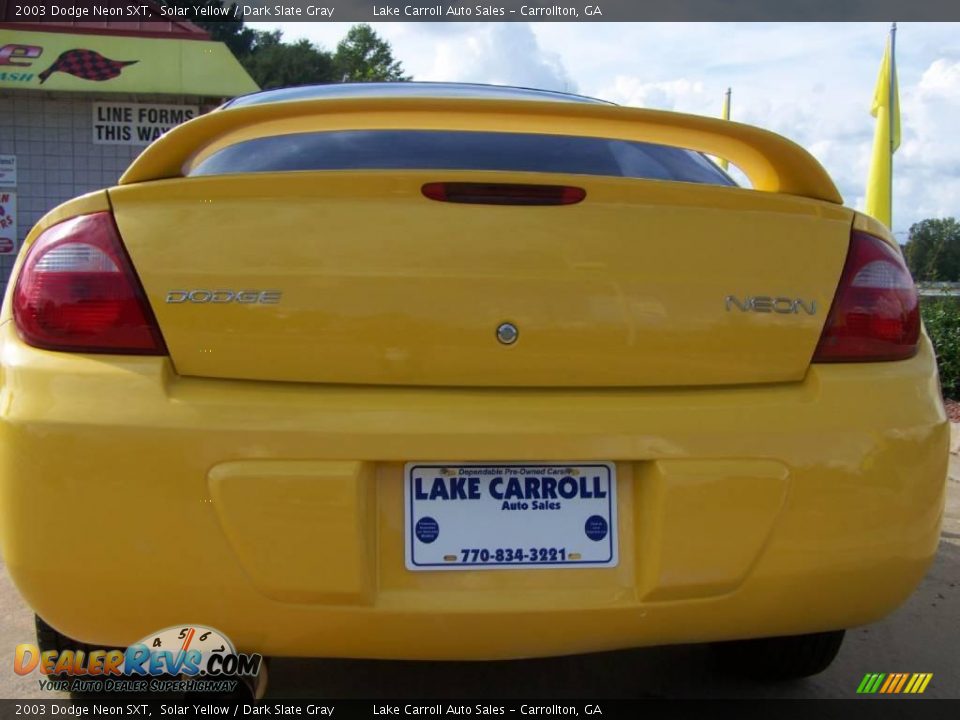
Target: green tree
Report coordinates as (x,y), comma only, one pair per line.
(933,250)
(231,32)
(363,56)
(274,63)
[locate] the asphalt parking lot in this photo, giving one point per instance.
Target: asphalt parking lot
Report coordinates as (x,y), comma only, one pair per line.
(922,636)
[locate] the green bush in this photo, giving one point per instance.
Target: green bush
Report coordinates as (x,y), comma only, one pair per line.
(941,316)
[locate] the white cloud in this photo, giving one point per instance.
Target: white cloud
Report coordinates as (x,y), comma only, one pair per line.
(666,95)
(927,166)
(500,53)
(942,79)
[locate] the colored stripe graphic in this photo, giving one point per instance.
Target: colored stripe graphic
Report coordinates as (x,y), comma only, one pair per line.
(891,679)
(894,683)
(873,682)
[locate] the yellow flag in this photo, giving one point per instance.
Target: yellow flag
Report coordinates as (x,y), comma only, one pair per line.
(886,137)
(726,116)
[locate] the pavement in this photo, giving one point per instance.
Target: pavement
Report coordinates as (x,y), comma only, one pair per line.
(922,636)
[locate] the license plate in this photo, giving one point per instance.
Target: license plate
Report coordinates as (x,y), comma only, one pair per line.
(474,516)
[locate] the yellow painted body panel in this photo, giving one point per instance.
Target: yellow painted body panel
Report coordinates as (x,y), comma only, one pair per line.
(743,512)
(383,286)
(258,501)
(874,227)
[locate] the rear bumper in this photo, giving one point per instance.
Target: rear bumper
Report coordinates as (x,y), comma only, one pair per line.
(132,499)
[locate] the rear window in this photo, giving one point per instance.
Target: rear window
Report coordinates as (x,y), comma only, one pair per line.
(457,150)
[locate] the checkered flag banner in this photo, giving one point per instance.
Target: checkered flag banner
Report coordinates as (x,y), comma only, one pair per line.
(86,64)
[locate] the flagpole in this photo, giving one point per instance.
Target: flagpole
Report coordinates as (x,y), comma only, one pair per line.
(893,74)
(724,163)
(890,107)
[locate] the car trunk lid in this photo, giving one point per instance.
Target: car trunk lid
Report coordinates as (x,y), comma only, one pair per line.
(358,277)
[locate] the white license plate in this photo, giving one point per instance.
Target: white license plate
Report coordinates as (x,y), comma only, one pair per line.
(475,516)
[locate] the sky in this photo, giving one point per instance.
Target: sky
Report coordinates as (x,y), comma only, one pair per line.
(812,82)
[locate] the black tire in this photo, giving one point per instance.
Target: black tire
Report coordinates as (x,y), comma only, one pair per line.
(49,638)
(781,658)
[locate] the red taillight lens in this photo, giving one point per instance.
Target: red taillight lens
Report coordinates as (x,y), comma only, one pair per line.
(876,312)
(77,291)
(503,193)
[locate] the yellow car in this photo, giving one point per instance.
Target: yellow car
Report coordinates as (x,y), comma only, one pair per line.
(461,372)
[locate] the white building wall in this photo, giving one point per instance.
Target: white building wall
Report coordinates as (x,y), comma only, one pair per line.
(52,136)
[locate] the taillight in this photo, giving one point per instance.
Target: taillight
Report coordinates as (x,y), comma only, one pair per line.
(77,291)
(876,312)
(503,193)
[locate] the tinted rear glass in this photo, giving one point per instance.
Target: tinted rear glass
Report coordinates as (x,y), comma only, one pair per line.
(443,150)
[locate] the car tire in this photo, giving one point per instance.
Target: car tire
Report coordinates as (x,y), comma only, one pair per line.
(777,659)
(49,638)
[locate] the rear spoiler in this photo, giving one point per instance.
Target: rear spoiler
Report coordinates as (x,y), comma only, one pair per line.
(773,163)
